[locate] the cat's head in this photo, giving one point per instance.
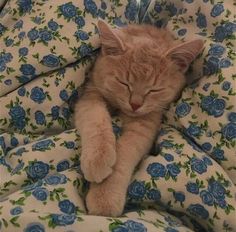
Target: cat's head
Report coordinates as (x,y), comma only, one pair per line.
(141,68)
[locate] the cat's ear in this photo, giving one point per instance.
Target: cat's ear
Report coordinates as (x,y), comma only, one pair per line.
(183,54)
(111,43)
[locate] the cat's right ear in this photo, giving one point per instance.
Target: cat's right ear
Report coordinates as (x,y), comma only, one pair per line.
(111,43)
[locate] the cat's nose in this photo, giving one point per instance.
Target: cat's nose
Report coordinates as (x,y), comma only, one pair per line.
(135,106)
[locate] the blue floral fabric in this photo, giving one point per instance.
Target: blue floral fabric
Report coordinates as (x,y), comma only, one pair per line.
(186,184)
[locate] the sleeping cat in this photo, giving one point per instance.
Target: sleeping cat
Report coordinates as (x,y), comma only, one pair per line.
(139,71)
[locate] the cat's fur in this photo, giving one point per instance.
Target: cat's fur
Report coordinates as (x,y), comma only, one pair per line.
(139,71)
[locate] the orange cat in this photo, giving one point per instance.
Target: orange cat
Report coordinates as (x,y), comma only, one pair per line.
(139,71)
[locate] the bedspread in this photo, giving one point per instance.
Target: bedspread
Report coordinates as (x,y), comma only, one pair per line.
(186,183)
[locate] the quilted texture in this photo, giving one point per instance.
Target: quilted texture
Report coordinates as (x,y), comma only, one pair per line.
(187,183)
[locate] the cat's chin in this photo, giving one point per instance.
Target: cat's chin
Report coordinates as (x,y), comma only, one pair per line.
(134,114)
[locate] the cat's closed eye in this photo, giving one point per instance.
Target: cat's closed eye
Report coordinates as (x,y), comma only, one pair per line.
(124,83)
(154,91)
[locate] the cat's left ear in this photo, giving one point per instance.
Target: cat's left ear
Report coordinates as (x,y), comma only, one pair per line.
(111,43)
(183,54)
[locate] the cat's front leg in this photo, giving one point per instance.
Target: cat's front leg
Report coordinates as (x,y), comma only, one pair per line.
(93,122)
(108,197)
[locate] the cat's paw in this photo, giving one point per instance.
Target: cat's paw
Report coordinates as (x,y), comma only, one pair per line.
(104,200)
(97,160)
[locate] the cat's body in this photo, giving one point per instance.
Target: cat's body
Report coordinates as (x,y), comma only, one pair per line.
(140,71)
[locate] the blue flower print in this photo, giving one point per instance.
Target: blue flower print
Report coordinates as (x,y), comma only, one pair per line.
(193,130)
(2,143)
(207,197)
(63,165)
(91,7)
(211,66)
(70,144)
(14,141)
(168,157)
(101,14)
(56,179)
(20,151)
(37,95)
(172,9)
(21,91)
(154,194)
(173,169)
(103,5)
(232,117)
(68,10)
(67,207)
(206,146)
(207,161)
(33,34)
(221,203)
(225,63)
(19,24)
(192,188)
(131,10)
(136,190)
(222,31)
(135,226)
(216,189)
(25,5)
(118,22)
(201,21)
(55,112)
(40,117)
(82,35)
(8,82)
(33,186)
(230,28)
(16,211)
(37,170)
(218,153)
(35,227)
(198,165)
(51,61)
(43,145)
(213,106)
(64,95)
(217,10)
(182,32)
(52,25)
(6,58)
(21,35)
(198,211)
(23,51)
(2,29)
(226,85)
(216,50)
(170,229)
(66,112)
(182,109)
(120,228)
(27,69)
(229,131)
(179,196)
(45,35)
(63,219)
(158,7)
(79,20)
(9,42)
(37,20)
(18,114)
(84,50)
(40,194)
(156,170)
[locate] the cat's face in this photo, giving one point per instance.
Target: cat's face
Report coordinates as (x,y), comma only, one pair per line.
(136,76)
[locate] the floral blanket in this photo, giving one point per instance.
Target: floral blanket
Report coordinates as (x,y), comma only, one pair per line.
(186,183)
